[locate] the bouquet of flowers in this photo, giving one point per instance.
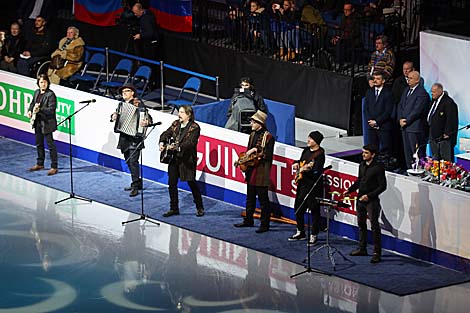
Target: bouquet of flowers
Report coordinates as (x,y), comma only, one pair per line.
(446,173)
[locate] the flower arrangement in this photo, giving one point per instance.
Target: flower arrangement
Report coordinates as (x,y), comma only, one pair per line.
(445,173)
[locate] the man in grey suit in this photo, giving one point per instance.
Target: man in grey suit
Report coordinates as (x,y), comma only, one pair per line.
(411,115)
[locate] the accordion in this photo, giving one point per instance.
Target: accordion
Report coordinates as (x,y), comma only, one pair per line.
(128,119)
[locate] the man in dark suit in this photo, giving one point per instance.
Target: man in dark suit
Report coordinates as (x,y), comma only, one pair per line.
(411,115)
(443,120)
(378,111)
(401,83)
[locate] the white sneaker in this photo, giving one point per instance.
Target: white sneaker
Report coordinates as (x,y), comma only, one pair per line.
(297,236)
(313,239)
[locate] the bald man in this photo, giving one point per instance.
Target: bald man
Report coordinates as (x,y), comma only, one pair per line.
(411,115)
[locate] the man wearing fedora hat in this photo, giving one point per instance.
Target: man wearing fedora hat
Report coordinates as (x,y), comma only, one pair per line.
(261,143)
(128,144)
(309,169)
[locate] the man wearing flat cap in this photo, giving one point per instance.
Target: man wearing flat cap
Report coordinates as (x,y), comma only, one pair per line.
(309,169)
(131,118)
(260,146)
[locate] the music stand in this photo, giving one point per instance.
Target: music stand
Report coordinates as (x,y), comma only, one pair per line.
(69,118)
(329,204)
(308,268)
(142,216)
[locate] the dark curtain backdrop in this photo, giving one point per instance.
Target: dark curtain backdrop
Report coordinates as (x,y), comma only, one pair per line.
(318,95)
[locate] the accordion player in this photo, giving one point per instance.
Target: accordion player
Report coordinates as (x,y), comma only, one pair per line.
(131,119)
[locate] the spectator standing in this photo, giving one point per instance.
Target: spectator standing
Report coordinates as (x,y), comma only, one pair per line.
(348,37)
(147,38)
(378,111)
(381,60)
(411,115)
(443,120)
(401,83)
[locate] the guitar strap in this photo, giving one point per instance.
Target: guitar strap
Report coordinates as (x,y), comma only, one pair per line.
(315,154)
(183,133)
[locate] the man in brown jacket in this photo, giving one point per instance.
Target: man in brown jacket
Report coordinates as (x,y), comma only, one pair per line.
(260,147)
(181,138)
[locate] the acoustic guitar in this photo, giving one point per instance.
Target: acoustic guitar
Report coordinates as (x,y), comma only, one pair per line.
(169,151)
(246,161)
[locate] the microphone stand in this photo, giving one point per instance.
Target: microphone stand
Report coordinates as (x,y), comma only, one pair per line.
(142,216)
(72,193)
(331,249)
(438,140)
(308,268)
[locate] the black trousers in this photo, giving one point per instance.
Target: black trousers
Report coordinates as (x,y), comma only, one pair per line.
(371,209)
(442,150)
(410,142)
(262,193)
(132,161)
(381,139)
(41,150)
(310,203)
(173,177)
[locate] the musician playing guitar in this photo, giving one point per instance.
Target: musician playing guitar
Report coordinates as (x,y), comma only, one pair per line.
(185,133)
(261,146)
(309,167)
(129,144)
(43,119)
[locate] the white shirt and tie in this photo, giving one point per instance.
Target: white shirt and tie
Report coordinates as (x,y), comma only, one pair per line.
(434,106)
(378,90)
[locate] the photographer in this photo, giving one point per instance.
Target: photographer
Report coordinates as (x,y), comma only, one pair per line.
(147,37)
(244,98)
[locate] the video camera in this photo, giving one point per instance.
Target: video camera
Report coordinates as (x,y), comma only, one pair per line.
(128,19)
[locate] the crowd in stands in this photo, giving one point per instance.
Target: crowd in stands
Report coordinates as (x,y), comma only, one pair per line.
(293,30)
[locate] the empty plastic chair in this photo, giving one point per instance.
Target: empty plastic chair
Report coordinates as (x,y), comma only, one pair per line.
(120,76)
(91,73)
(141,79)
(188,94)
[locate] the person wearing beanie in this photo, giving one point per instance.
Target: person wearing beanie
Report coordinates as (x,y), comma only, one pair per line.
(371,182)
(257,177)
(309,170)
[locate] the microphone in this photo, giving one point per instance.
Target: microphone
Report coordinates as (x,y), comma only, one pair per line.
(154,124)
(328,167)
(88,101)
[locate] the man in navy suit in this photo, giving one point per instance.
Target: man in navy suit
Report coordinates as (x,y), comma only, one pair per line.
(378,111)
(411,115)
(443,120)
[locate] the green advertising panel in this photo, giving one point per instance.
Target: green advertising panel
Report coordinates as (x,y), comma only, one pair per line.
(15,100)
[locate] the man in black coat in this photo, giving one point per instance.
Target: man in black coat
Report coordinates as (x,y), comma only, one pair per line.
(371,182)
(147,37)
(42,114)
(309,171)
(411,115)
(401,83)
(378,111)
(131,136)
(443,120)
